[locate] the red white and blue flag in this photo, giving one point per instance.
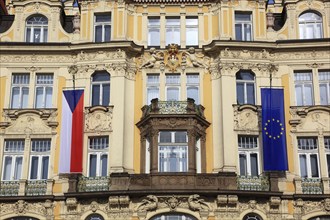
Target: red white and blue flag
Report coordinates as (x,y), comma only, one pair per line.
(71,149)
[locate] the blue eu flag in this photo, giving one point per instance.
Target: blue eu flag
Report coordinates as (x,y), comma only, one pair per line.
(273,130)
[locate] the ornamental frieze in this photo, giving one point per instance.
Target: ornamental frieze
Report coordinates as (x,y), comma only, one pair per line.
(22,207)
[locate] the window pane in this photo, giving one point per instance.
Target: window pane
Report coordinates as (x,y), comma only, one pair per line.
(106,95)
(154,37)
(240,93)
(96,94)
(324,94)
(314,166)
(238,32)
(254,164)
(18,168)
(25,97)
(152,93)
(49,94)
(36,35)
(103,18)
(248,34)
(303,166)
(28,35)
(45,164)
(107,34)
(7,168)
(34,168)
(250,93)
(191,36)
(45,35)
(165,137)
(39,97)
(101,76)
(172,94)
(299,96)
(98,33)
(180,137)
(328,163)
(104,165)
(92,165)
(15,97)
(242,165)
(308,92)
(192,92)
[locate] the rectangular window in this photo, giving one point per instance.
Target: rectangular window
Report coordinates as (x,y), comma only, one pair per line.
(173,87)
(44,90)
(327,151)
(102,27)
(172,30)
(245,87)
(13,159)
(153,31)
(20,90)
(98,156)
(308,157)
(152,87)
(173,151)
(191,31)
(248,155)
(243,26)
(40,153)
(304,88)
(193,87)
(324,83)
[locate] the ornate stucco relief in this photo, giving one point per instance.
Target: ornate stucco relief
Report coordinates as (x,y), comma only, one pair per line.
(98,119)
(246,118)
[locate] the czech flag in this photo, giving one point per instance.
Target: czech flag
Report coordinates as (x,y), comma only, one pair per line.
(71,149)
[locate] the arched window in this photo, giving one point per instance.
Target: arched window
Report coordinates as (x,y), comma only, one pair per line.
(101,88)
(173,217)
(324,217)
(245,87)
(94,217)
(310,26)
(252,216)
(22,218)
(36,29)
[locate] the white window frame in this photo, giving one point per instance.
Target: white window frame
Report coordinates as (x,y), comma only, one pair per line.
(193,85)
(303,25)
(247,152)
(242,24)
(98,153)
(303,84)
(326,82)
(308,153)
(173,144)
(102,24)
(172,28)
(173,85)
(14,154)
(40,155)
(327,153)
(101,84)
(192,27)
(152,85)
(21,85)
(36,24)
(47,84)
(245,83)
(152,26)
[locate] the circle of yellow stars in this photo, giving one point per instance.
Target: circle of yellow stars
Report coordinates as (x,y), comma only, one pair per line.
(274,136)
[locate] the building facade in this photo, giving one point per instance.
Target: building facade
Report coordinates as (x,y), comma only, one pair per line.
(172,108)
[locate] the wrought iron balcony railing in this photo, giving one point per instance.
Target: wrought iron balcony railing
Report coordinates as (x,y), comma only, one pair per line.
(93,184)
(253,183)
(311,186)
(9,188)
(173,107)
(36,187)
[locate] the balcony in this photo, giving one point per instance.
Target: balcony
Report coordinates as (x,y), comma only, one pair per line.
(253,183)
(312,185)
(36,187)
(173,107)
(9,188)
(93,184)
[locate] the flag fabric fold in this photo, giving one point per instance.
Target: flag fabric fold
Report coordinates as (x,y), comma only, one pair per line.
(273,130)
(71,145)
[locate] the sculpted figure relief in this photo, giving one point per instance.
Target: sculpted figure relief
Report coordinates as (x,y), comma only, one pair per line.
(154,57)
(195,59)
(148,204)
(197,204)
